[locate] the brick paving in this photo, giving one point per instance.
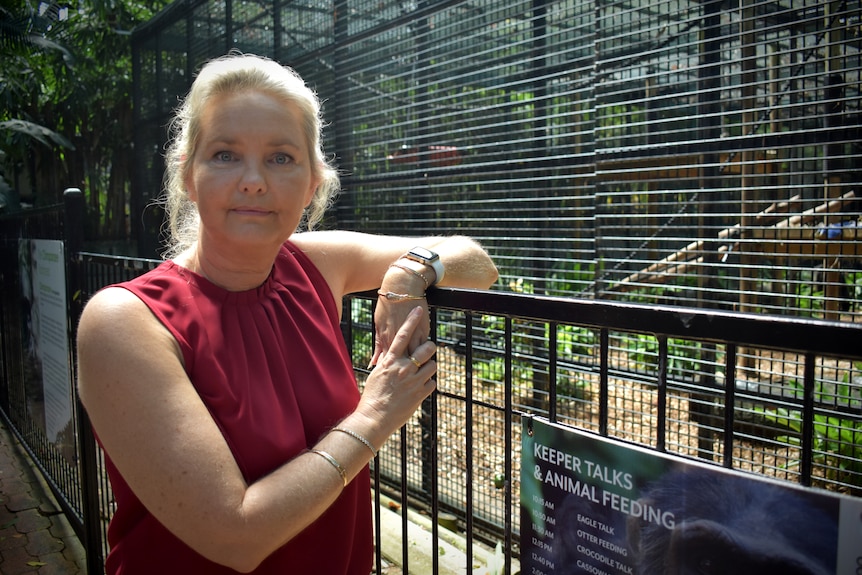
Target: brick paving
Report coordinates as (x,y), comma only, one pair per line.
(35,536)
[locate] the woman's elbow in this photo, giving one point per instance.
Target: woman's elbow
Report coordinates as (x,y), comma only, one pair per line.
(484,273)
(492,275)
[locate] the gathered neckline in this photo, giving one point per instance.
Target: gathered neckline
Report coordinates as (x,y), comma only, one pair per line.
(216,291)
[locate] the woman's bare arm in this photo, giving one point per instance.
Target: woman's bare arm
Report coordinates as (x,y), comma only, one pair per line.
(354,262)
(166,445)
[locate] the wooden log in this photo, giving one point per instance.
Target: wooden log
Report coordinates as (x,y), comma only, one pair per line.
(786,230)
(814,248)
(774,211)
(809,216)
(794,228)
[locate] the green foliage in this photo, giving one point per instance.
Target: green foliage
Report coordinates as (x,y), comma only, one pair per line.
(528,349)
(837,441)
(569,277)
(65,101)
(854,282)
(574,341)
(683,357)
(493,371)
(22,30)
(39,133)
(362,340)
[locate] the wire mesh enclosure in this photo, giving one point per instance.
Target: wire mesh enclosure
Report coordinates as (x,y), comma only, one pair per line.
(770,396)
(720,390)
(692,152)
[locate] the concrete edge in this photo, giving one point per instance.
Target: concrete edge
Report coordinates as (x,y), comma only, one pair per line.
(451,546)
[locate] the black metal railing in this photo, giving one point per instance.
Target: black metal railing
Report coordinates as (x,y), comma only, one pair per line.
(765,395)
(791,377)
(22,399)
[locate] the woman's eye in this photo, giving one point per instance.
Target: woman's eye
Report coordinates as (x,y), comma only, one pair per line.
(224,156)
(282,159)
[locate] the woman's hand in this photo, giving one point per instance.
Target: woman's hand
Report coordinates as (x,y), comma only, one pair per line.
(389,317)
(391,314)
(402,378)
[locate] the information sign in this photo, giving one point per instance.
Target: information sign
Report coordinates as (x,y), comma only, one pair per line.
(603,507)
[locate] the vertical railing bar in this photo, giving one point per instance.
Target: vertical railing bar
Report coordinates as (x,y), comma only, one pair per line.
(552,371)
(106,490)
(90,515)
(604,391)
(405,537)
(661,431)
(468,382)
(432,438)
(378,520)
(402,438)
(807,464)
(507,517)
(378,510)
(729,402)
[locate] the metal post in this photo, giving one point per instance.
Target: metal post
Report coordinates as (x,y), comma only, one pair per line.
(73,199)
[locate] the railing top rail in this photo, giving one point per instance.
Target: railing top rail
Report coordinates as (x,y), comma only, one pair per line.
(30,212)
(821,337)
(90,256)
(803,335)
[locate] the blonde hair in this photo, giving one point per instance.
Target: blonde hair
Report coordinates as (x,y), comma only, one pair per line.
(226,75)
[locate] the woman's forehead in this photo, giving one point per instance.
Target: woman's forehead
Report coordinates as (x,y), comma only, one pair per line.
(251,111)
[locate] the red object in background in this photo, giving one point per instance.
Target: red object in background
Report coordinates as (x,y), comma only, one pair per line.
(434,156)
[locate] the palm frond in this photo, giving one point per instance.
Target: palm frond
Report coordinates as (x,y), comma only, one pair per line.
(39,133)
(21,32)
(14,31)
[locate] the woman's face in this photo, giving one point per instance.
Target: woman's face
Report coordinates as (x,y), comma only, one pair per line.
(251,174)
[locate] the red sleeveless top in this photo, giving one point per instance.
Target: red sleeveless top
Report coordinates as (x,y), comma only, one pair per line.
(272,367)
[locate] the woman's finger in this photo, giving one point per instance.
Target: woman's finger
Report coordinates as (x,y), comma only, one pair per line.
(402,339)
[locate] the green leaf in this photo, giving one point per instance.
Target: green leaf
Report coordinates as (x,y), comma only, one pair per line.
(41,133)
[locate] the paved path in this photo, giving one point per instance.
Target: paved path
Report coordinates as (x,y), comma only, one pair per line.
(35,536)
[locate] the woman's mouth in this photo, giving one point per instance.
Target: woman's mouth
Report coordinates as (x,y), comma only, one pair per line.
(250,211)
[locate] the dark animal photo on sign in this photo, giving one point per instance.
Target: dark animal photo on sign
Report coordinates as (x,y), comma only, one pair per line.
(700,521)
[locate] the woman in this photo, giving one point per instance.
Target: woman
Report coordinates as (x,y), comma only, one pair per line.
(218,384)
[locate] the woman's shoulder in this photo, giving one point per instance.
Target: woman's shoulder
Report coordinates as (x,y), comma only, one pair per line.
(113,300)
(117,326)
(113,308)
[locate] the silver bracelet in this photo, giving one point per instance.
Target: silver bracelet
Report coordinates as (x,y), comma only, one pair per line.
(357,437)
(334,463)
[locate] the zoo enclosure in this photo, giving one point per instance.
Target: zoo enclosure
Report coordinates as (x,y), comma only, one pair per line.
(654,376)
(703,153)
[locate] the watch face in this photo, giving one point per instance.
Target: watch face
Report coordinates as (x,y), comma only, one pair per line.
(424,254)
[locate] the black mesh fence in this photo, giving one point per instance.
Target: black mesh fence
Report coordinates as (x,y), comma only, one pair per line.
(775,397)
(700,153)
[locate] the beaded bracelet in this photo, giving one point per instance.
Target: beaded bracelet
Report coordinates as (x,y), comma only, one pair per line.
(334,463)
(357,437)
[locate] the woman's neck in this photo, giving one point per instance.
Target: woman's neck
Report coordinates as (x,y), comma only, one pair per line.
(234,272)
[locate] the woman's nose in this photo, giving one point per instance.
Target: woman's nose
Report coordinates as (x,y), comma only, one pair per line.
(253,180)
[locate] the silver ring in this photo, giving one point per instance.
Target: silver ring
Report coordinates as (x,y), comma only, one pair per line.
(415,361)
